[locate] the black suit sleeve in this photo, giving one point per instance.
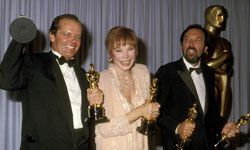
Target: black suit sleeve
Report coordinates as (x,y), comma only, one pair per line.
(165,121)
(15,68)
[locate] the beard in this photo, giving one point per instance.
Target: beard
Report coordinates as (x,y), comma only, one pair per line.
(192,59)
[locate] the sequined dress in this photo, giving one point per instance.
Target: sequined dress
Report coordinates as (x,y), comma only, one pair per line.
(118,134)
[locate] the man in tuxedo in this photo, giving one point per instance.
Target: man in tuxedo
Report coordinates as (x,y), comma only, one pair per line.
(53,90)
(181,86)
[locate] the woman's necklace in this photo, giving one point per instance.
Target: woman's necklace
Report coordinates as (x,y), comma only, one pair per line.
(125,79)
(126,84)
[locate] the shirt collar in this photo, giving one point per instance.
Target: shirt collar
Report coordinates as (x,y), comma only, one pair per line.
(56,53)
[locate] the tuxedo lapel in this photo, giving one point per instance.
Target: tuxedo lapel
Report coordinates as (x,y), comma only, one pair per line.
(63,104)
(186,77)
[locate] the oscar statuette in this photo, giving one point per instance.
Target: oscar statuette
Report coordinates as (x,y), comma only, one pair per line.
(148,125)
(192,114)
(96,112)
(243,120)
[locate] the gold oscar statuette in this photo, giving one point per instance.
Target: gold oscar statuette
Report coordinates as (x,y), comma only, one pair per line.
(243,120)
(192,114)
(96,112)
(148,125)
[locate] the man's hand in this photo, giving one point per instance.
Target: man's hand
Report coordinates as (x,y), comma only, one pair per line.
(95,96)
(230,130)
(185,129)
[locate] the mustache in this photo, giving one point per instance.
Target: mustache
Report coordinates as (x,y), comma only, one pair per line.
(191,48)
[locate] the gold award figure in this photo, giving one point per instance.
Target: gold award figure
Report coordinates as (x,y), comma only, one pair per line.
(148,126)
(243,120)
(219,56)
(192,114)
(96,112)
(93,77)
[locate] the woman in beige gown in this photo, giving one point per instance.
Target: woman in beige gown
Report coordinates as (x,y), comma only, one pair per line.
(125,86)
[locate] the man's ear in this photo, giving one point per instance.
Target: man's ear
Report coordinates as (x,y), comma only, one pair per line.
(52,37)
(205,49)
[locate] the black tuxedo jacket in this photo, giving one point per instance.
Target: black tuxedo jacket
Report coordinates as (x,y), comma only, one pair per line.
(47,116)
(176,94)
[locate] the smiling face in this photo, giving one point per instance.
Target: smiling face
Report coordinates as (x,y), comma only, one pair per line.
(67,39)
(121,43)
(193,45)
(123,56)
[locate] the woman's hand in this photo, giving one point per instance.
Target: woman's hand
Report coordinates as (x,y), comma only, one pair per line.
(150,110)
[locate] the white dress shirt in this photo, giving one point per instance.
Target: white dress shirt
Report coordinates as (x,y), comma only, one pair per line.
(74,91)
(199,83)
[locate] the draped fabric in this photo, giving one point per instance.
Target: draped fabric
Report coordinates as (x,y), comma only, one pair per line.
(158,24)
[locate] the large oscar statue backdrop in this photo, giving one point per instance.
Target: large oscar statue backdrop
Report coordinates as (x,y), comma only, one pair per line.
(219,56)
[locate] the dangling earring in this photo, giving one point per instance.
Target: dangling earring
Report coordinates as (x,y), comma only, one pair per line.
(110,60)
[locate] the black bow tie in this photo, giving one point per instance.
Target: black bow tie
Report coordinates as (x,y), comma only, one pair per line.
(70,62)
(198,70)
(62,60)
